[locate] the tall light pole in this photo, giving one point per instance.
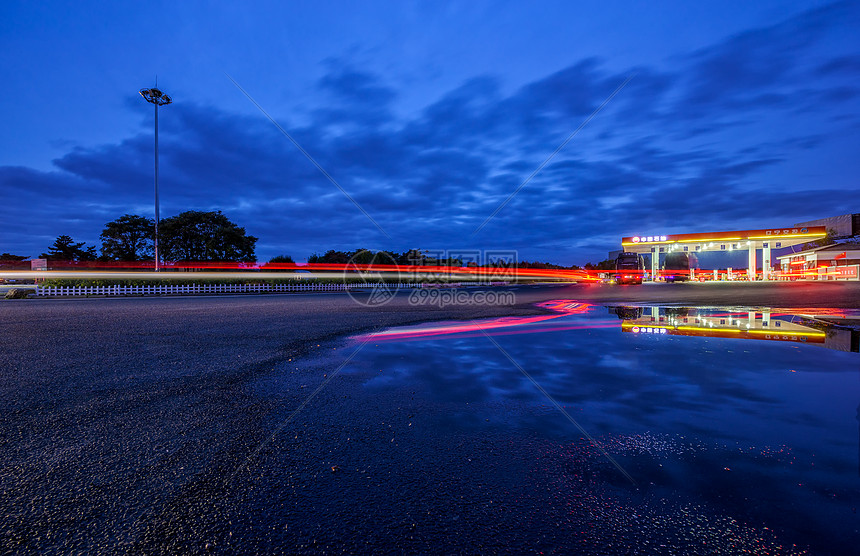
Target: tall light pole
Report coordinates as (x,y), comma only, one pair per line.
(156,97)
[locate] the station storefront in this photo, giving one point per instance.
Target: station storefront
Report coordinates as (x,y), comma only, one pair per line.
(751,241)
(840,261)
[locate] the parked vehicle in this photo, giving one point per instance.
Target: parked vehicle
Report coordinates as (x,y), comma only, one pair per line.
(676,267)
(627,313)
(629,268)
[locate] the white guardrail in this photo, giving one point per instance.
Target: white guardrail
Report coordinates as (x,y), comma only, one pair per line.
(196,289)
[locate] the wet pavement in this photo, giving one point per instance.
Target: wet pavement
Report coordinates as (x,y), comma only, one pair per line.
(732,429)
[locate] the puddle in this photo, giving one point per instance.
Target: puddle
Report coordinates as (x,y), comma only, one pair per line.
(738,426)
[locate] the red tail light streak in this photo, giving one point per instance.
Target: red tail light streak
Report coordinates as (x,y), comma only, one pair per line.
(245,270)
(195,270)
(495,327)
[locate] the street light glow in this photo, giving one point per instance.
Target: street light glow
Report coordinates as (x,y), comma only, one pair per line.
(155,96)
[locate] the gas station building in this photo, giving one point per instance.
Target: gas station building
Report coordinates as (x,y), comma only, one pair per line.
(765,240)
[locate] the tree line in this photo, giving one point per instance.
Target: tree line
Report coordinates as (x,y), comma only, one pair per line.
(211,236)
(188,236)
(416,257)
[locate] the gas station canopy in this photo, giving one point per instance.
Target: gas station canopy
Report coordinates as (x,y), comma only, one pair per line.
(751,240)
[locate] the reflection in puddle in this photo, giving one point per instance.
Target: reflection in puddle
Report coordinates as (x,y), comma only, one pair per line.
(833,328)
(495,326)
(830,329)
(734,444)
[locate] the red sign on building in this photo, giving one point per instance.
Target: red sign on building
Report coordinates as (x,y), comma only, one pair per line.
(847,271)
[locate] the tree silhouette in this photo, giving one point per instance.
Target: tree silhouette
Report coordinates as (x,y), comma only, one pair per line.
(8,261)
(11,257)
(331,256)
(279,259)
(65,249)
(204,236)
(128,238)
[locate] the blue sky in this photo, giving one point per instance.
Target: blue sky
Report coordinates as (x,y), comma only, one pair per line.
(429,114)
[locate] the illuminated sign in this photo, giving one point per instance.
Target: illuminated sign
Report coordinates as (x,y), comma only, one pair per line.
(647,330)
(846,271)
(638,239)
(793,338)
(786,231)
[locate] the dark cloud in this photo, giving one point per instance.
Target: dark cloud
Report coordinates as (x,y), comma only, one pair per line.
(740,71)
(573,91)
(848,65)
(682,149)
(467,117)
(355,100)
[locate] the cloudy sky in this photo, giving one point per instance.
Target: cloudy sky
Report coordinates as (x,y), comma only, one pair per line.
(429,115)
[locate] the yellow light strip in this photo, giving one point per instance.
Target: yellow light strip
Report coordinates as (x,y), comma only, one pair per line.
(778,236)
(707,240)
(757,331)
(814,334)
(710,239)
(703,329)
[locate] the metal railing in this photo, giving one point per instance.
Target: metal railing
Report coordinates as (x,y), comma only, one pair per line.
(197,289)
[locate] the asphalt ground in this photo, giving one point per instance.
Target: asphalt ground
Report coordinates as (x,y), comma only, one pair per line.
(120,415)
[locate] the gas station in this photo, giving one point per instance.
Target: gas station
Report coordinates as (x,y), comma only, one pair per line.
(751,241)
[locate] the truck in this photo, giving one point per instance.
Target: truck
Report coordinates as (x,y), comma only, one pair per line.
(629,268)
(676,267)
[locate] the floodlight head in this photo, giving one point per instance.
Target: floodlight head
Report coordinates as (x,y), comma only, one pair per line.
(155,96)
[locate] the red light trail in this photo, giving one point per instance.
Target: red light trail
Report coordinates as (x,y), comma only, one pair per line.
(179,270)
(496,326)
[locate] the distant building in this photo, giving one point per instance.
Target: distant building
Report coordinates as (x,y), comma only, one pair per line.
(839,261)
(845,225)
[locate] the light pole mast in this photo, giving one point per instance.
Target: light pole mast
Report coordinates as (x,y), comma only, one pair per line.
(156,97)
